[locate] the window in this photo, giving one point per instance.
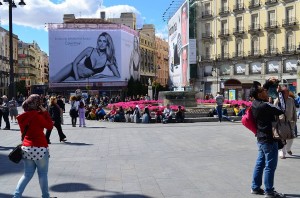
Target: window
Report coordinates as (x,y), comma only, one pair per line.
(207,8)
(239,24)
(239,47)
(224,27)
(271,46)
(254,46)
(289,41)
(271,18)
(224,5)
(289,14)
(207,50)
(207,28)
(224,50)
(254,21)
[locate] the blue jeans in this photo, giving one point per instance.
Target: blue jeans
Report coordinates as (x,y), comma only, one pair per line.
(266,163)
(219,112)
(29,169)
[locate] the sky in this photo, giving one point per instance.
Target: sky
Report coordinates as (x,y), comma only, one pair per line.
(30,22)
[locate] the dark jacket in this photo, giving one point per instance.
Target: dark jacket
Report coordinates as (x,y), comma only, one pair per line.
(54,112)
(263,113)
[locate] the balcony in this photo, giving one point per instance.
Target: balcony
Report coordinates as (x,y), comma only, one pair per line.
(207,14)
(224,11)
(207,36)
(290,22)
(271,2)
(254,4)
(223,56)
(290,49)
(287,1)
(224,33)
(272,25)
(271,52)
(239,8)
(254,28)
(206,57)
(254,53)
(238,31)
(239,55)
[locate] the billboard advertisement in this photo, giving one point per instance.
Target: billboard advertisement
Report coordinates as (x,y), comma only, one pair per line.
(178,39)
(96,56)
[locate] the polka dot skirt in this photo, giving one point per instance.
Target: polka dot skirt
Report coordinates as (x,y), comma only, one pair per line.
(34,153)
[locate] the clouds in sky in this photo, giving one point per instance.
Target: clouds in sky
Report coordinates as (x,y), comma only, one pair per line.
(37,13)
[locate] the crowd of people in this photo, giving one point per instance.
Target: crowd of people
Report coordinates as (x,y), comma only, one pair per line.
(48,113)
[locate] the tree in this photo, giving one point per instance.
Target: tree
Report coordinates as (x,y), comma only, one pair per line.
(21,87)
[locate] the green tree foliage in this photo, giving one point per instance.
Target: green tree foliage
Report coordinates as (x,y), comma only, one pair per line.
(135,87)
(21,87)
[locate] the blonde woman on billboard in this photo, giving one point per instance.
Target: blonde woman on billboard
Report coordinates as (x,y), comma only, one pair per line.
(91,62)
(134,64)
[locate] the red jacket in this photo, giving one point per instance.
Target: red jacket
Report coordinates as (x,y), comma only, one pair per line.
(38,121)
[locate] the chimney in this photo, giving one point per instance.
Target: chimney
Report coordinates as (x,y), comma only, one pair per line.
(102,15)
(68,17)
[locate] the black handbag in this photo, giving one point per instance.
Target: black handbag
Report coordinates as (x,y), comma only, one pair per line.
(16,154)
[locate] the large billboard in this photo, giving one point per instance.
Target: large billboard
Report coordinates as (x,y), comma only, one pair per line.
(178,39)
(106,57)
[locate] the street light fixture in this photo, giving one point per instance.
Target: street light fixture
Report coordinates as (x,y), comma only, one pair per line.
(12,88)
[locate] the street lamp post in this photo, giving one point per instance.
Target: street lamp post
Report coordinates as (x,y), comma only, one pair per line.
(214,69)
(12,87)
(155,85)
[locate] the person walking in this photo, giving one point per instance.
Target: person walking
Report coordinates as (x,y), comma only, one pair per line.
(61,105)
(81,112)
(5,112)
(13,111)
(266,163)
(34,147)
(74,110)
(55,113)
(289,115)
(219,100)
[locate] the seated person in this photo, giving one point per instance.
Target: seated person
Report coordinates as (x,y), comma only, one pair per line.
(236,109)
(158,116)
(92,114)
(225,115)
(120,115)
(136,115)
(179,115)
(146,116)
(128,114)
(167,114)
(100,113)
(111,115)
(242,110)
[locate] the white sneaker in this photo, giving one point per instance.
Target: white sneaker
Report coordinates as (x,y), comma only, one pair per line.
(84,126)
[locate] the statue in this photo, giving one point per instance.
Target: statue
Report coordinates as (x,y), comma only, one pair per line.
(149,82)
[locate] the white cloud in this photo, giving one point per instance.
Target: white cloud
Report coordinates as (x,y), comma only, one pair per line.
(38,12)
(162,32)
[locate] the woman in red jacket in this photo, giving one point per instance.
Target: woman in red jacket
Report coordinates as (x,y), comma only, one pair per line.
(35,146)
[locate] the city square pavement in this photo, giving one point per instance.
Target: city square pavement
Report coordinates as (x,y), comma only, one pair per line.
(127,160)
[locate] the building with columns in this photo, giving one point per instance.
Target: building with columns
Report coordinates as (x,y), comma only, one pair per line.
(243,41)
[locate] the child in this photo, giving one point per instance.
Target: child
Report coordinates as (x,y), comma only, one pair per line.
(81,112)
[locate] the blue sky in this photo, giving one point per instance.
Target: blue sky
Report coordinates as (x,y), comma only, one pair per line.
(29,22)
